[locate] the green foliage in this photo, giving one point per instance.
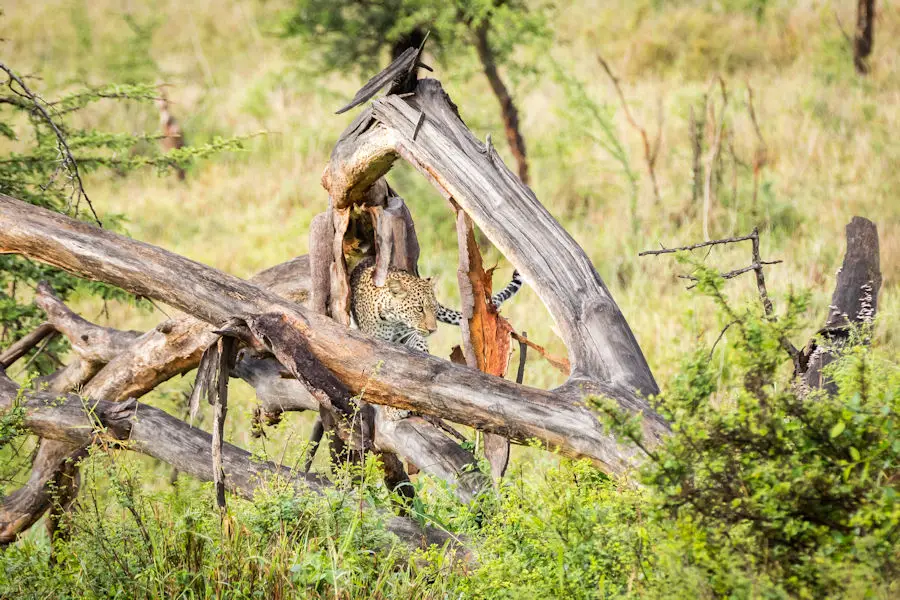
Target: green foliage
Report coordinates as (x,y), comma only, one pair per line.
(352,36)
(120,542)
(768,485)
(565,531)
(48,156)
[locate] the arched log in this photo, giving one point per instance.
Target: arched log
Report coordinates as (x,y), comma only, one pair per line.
(425,129)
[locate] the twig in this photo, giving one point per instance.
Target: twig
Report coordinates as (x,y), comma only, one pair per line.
(41,347)
(735,273)
(560,363)
(523,356)
(419,122)
(68,159)
(665,250)
(756,266)
(651,151)
(721,335)
(840,25)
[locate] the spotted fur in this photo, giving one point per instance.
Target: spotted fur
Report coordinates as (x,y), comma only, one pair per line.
(403,311)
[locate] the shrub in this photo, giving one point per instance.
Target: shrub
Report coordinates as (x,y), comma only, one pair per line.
(770,488)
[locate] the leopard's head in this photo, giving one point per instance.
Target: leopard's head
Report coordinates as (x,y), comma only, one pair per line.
(410,300)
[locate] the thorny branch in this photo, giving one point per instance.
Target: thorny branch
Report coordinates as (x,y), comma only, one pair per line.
(67,160)
(756,266)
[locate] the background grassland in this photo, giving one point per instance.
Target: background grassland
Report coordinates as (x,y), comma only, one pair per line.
(830,135)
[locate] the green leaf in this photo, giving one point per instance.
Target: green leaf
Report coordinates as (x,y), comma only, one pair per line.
(854,453)
(838,429)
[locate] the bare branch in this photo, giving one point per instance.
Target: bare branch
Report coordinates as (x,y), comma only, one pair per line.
(25,344)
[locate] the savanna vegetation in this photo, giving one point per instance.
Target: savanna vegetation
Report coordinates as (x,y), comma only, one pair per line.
(642,124)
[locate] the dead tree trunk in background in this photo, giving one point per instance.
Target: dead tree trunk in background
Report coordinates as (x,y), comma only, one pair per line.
(508,109)
(854,302)
(863,38)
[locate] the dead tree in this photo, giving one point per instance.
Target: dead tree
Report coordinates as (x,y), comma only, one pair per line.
(416,122)
(303,357)
(853,303)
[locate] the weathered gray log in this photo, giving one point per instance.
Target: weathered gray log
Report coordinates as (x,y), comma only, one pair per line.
(174,347)
(276,393)
(386,373)
(92,343)
(415,439)
(601,346)
(151,431)
(854,301)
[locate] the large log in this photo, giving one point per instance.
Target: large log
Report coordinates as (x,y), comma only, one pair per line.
(385,373)
(151,431)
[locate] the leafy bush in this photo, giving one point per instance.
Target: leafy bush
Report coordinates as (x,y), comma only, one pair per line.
(772,488)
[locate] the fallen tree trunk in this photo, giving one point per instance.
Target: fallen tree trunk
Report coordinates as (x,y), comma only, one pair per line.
(386,373)
(151,431)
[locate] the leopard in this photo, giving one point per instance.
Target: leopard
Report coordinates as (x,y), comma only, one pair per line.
(405,311)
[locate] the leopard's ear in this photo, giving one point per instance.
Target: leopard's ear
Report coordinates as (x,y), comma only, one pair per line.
(396,287)
(432,281)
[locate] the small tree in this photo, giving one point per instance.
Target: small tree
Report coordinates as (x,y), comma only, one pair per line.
(351,35)
(47,160)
